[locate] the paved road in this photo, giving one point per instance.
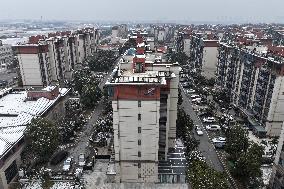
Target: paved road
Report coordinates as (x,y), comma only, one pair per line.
(205,146)
(82,145)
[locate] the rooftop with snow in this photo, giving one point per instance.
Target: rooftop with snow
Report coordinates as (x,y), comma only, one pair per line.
(17,110)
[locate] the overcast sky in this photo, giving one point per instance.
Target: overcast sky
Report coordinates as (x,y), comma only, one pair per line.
(146,10)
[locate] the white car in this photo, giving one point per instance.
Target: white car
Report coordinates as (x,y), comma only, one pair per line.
(213,127)
(219,142)
(195,96)
(189,91)
(67,164)
(82,160)
(199,131)
(209,120)
(196,100)
(219,139)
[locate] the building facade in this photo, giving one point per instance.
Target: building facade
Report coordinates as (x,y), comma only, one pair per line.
(18,108)
(51,60)
(6,55)
(144,99)
(204,55)
(254,81)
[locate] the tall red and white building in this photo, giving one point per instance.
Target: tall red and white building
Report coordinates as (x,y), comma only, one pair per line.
(144,93)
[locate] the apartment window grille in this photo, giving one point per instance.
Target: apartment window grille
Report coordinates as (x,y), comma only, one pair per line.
(139,154)
(139,142)
(139,129)
(139,117)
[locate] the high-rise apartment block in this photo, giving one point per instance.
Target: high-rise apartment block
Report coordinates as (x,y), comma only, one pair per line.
(45,60)
(144,94)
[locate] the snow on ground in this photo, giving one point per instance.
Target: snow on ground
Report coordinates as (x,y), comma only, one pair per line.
(62,185)
(266,173)
(98,176)
(57,185)
(33,185)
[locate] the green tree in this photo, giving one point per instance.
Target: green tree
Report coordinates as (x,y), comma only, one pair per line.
(41,139)
(91,94)
(179,57)
(180,99)
(236,142)
(248,165)
(101,61)
(81,77)
(201,176)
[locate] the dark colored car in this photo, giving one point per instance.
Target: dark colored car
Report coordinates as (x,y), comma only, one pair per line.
(58,157)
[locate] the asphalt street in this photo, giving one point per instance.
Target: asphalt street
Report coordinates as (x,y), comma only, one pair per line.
(205,146)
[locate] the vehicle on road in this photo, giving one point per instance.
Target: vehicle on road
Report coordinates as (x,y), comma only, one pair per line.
(67,164)
(194,96)
(213,127)
(82,160)
(198,130)
(58,157)
(209,120)
(219,142)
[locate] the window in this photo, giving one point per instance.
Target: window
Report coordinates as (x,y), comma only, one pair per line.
(139,116)
(139,142)
(139,165)
(139,103)
(139,129)
(139,175)
(139,154)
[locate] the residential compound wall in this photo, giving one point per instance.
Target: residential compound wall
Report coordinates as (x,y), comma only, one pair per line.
(144,97)
(45,60)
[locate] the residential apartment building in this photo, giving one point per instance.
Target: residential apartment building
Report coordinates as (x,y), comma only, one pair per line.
(6,55)
(18,108)
(253,76)
(183,42)
(45,60)
(204,55)
(118,32)
(34,64)
(144,94)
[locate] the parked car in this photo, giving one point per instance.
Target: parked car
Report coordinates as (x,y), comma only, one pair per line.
(196,100)
(198,130)
(189,91)
(213,127)
(209,120)
(82,160)
(58,157)
(194,96)
(67,164)
(219,142)
(205,113)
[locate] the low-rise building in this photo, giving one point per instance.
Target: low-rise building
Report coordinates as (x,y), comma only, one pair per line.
(18,108)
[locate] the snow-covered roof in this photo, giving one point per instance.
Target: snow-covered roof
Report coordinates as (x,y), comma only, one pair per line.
(16,112)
